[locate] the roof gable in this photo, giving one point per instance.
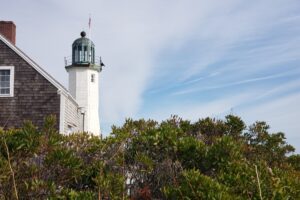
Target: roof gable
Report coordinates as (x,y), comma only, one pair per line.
(33,64)
(39,69)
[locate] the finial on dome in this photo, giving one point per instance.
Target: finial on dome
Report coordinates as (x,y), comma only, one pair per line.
(83,34)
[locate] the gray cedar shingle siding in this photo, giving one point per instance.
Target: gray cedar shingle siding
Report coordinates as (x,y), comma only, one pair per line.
(34,96)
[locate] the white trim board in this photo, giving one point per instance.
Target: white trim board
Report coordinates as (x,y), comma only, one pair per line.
(11,80)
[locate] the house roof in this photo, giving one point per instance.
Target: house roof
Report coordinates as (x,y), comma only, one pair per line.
(60,87)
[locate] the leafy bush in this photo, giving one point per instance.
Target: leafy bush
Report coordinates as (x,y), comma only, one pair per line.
(144,159)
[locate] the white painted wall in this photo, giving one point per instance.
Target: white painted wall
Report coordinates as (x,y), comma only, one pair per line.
(86,94)
(70,117)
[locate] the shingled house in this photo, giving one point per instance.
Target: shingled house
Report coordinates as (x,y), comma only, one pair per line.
(27,92)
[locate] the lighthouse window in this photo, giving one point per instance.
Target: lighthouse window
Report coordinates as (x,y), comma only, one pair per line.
(80,53)
(74,57)
(93,55)
(85,53)
(90,55)
(93,78)
(6,81)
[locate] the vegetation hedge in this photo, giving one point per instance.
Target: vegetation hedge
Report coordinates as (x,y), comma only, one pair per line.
(144,159)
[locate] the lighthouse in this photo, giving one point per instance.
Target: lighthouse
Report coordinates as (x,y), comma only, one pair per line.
(84,69)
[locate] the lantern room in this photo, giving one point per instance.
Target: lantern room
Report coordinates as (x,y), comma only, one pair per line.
(83,51)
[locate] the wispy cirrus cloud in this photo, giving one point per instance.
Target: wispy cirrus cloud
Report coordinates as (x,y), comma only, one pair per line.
(198,88)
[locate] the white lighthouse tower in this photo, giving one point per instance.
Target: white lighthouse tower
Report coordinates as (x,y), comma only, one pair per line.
(84,82)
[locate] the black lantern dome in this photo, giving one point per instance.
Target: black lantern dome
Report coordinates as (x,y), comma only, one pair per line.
(83,51)
(83,54)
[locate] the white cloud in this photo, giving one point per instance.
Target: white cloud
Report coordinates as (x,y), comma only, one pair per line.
(198,88)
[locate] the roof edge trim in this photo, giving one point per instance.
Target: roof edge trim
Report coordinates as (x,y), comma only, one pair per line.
(37,67)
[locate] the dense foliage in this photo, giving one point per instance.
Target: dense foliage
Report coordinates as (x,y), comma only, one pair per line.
(174,159)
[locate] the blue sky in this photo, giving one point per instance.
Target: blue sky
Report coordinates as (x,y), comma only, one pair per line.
(190,58)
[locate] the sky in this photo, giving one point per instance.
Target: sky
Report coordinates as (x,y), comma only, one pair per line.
(192,58)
